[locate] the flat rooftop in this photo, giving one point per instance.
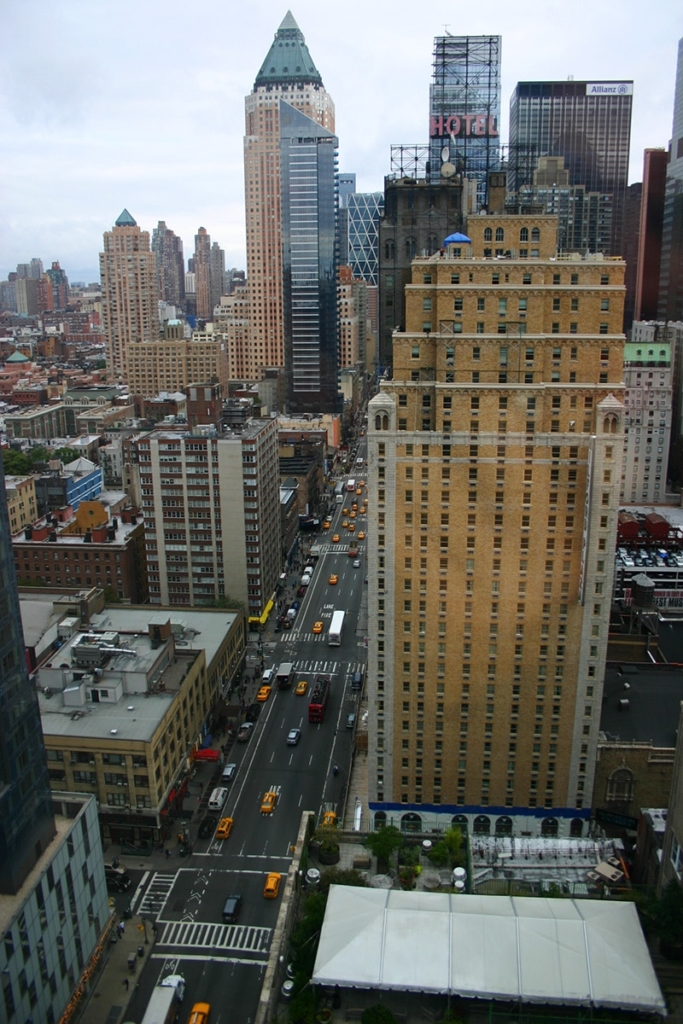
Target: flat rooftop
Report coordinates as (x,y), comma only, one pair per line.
(194,628)
(654,696)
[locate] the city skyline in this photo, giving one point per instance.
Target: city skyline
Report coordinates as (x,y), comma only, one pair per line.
(78,159)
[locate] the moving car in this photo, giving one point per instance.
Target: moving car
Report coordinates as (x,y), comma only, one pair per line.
(350,721)
(326,525)
(245,733)
(268,802)
(352,527)
(253,711)
(356,563)
(317,628)
(272,886)
(302,685)
(293,737)
(199,1013)
(361,535)
(224,828)
(207,827)
(359,490)
(352,514)
(329,819)
(264,693)
(345,511)
(345,523)
(333,579)
(231,908)
(335,539)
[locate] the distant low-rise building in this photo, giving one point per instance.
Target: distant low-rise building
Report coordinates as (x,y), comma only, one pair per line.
(85,548)
(21,501)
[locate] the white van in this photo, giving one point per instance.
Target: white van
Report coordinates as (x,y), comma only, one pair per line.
(268,677)
(217,799)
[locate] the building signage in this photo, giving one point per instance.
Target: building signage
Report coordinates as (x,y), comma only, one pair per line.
(661,598)
(609,88)
(620,820)
(459,125)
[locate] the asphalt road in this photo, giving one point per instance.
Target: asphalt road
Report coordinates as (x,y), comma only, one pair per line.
(224,964)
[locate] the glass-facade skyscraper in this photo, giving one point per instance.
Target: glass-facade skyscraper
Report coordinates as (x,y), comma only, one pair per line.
(670,306)
(308,202)
(288,73)
(587,123)
(26,818)
(464,109)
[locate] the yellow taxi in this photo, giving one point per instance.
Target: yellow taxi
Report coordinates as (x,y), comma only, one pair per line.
(362,511)
(345,511)
(272,886)
(329,820)
(354,506)
(264,693)
(224,828)
(361,535)
(359,490)
(199,1014)
(333,579)
(317,627)
(352,514)
(352,527)
(302,685)
(345,523)
(335,539)
(361,484)
(326,525)
(268,802)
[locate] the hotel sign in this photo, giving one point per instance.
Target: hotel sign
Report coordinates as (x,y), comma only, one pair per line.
(609,88)
(459,125)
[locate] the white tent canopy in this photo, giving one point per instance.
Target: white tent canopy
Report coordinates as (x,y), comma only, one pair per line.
(562,951)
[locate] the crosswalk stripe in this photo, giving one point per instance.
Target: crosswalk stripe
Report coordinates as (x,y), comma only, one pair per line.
(197,934)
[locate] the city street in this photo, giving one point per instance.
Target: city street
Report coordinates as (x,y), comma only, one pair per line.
(224,963)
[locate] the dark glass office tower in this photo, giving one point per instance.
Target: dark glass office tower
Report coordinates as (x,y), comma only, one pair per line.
(587,123)
(26,819)
(308,175)
(670,306)
(464,109)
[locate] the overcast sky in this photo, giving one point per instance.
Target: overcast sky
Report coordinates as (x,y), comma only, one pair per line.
(106,104)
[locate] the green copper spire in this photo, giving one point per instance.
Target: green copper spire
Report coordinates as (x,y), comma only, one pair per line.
(288,61)
(126,221)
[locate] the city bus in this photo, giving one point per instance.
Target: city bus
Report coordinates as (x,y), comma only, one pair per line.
(339,493)
(334,635)
(319,696)
(351,484)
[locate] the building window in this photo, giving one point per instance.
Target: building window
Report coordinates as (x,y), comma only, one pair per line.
(620,786)
(488,235)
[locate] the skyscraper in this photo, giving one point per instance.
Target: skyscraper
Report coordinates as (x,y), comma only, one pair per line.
(288,73)
(464,109)
(168,249)
(308,177)
(202,270)
(588,123)
(130,312)
(650,235)
(494,472)
(671,278)
(26,818)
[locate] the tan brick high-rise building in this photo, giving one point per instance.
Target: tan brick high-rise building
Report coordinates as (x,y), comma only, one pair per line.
(130,311)
(174,362)
(494,474)
(288,74)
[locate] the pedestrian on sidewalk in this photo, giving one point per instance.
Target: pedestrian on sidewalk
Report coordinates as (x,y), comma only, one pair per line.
(168,853)
(126,983)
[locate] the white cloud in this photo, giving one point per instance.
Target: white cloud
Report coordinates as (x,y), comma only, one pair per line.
(140,103)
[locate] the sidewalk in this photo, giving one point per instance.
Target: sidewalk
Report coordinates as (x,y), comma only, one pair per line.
(109,994)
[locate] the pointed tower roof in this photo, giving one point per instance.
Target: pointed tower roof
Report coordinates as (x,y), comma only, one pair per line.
(126,221)
(288,59)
